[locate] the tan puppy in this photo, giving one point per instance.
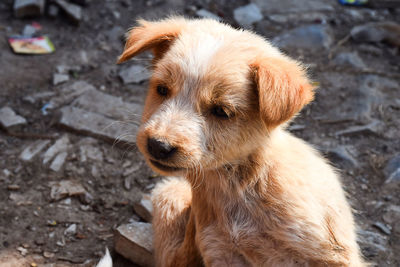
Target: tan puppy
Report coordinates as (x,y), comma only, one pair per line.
(252,194)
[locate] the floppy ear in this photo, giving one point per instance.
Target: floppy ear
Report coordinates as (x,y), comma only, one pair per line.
(283,88)
(151,35)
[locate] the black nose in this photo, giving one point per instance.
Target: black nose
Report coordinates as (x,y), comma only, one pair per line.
(160,150)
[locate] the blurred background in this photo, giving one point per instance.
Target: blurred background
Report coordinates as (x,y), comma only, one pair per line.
(70,175)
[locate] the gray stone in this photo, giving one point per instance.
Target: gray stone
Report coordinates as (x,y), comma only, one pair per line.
(38,97)
(360,100)
(375,32)
(58,161)
(394,177)
(298,17)
(33,149)
(29,31)
(74,12)
(65,188)
(69,92)
(28,8)
(60,146)
(310,37)
(134,241)
(97,125)
(341,156)
(372,243)
(373,128)
(60,78)
(116,34)
(383,228)
(144,208)
(246,15)
(290,6)
(203,13)
(53,11)
(392,165)
(9,119)
(392,216)
(107,105)
(349,59)
(134,74)
(71,230)
(89,150)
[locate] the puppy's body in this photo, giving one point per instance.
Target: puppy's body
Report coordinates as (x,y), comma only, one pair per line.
(253,195)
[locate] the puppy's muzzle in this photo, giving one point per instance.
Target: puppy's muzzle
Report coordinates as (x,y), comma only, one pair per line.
(160,150)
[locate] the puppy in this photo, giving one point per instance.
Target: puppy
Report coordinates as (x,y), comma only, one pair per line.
(251,194)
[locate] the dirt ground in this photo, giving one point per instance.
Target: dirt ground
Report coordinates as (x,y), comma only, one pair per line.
(33,222)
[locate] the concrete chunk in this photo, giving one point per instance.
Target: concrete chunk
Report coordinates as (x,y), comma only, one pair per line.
(144,208)
(32,150)
(247,15)
(97,125)
(107,105)
(134,74)
(9,119)
(74,12)
(134,241)
(60,146)
(28,8)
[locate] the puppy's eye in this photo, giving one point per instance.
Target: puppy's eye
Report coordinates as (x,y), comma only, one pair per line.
(219,112)
(162,90)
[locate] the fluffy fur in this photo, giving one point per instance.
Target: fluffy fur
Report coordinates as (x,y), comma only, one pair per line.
(249,192)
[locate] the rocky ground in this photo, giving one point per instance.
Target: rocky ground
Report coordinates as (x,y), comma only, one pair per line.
(69,170)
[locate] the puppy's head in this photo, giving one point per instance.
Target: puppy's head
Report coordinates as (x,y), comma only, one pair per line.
(214,95)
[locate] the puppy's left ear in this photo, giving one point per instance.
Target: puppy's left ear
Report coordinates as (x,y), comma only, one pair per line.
(157,35)
(283,88)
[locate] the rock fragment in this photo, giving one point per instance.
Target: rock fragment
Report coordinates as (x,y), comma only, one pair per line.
(349,59)
(134,241)
(375,32)
(65,188)
(134,74)
(289,6)
(246,15)
(310,37)
(60,146)
(33,149)
(204,13)
(60,78)
(371,243)
(341,156)
(372,128)
(144,208)
(58,161)
(28,8)
(97,125)
(392,170)
(9,119)
(74,12)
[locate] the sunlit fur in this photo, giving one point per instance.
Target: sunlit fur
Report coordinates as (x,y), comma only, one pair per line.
(251,193)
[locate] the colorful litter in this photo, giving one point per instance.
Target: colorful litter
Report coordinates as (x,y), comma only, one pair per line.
(31,45)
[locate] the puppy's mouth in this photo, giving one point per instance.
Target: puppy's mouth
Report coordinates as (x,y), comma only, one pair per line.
(165,167)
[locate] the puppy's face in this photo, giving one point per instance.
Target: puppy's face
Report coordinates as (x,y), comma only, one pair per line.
(214,94)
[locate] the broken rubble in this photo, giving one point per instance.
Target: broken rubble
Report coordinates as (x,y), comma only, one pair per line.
(371,128)
(341,156)
(28,8)
(289,6)
(69,92)
(203,13)
(349,59)
(60,146)
(74,12)
(65,188)
(33,149)
(372,243)
(134,241)
(134,74)
(60,78)
(247,15)
(375,32)
(97,125)
(107,105)
(310,37)
(9,119)
(144,208)
(58,162)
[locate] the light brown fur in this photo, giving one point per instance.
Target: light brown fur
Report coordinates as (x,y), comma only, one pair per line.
(251,194)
